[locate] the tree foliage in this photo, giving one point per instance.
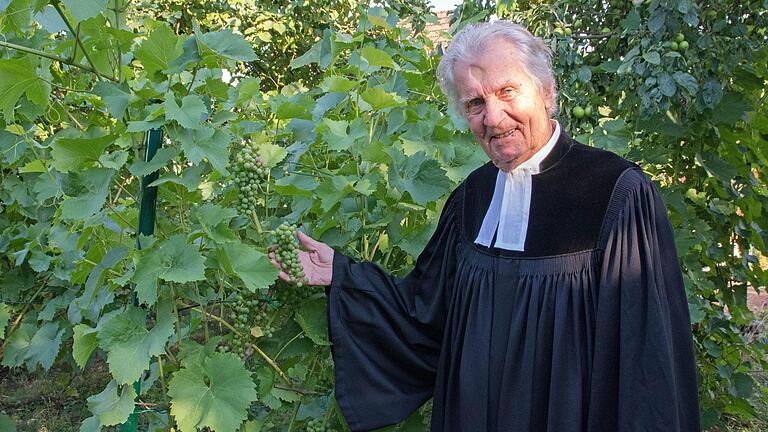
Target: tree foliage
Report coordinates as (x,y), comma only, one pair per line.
(359,150)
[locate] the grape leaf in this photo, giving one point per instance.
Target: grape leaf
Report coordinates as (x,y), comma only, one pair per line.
(248,90)
(190,54)
(379,99)
(215,394)
(251,266)
(83,9)
(44,345)
(54,304)
(17,345)
(143,126)
(112,408)
(337,83)
(296,185)
(5,316)
(31,347)
(332,190)
(335,135)
(313,319)
(70,154)
(291,109)
(418,175)
(128,343)
(173,260)
(115,96)
(16,16)
(114,160)
(327,102)
(12,147)
(191,114)
(214,221)
(96,295)
(160,49)
(376,57)
(83,344)
(190,178)
(91,424)
(227,44)
(18,77)
(272,154)
(209,143)
(88,202)
(163,155)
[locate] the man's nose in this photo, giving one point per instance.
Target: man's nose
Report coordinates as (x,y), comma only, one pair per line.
(494,113)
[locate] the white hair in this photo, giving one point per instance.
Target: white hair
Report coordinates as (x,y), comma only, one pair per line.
(535,57)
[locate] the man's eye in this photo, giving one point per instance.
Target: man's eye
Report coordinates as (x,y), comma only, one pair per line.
(508,91)
(474,106)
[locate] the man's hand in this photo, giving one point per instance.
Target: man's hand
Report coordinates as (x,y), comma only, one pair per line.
(316,260)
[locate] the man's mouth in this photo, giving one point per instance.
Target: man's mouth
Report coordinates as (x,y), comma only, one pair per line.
(504,135)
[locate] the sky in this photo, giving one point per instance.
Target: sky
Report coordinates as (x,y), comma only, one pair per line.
(444,4)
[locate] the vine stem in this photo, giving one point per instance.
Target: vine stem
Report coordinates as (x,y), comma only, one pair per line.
(288,343)
(55,58)
(302,391)
(76,35)
(162,375)
(264,355)
(116,213)
(293,417)
(117,10)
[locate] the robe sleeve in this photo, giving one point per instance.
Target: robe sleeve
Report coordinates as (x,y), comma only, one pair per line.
(386,332)
(644,368)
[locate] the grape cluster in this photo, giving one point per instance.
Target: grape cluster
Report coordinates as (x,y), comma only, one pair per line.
(248,312)
(248,170)
(316,425)
(287,254)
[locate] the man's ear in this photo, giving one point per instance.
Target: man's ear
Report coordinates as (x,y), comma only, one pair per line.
(549,98)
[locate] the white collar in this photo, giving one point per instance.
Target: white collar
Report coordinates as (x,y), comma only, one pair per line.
(510,206)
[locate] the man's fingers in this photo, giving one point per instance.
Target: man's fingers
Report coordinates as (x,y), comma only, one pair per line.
(307,241)
(272,258)
(284,276)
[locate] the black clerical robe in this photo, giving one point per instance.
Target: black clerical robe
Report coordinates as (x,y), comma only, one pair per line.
(587,329)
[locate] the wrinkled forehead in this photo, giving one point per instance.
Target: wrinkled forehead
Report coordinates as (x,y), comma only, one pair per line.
(495,62)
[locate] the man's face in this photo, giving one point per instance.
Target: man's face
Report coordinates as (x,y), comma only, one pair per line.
(505,109)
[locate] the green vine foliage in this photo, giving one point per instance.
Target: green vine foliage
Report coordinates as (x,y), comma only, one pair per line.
(348,137)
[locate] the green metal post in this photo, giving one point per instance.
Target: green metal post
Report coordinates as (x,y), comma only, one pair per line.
(147,209)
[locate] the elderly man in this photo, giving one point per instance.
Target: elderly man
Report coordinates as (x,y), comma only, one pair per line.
(550,296)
